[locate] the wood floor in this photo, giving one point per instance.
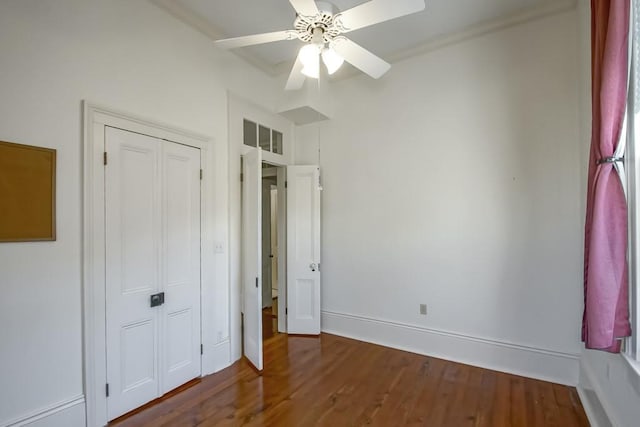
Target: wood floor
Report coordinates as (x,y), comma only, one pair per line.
(334,381)
(270,320)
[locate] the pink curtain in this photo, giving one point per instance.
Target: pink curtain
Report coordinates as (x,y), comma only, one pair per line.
(606,311)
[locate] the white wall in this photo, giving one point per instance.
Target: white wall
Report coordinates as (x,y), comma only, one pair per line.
(129,56)
(455,181)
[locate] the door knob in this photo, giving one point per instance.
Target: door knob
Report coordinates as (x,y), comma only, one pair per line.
(313,266)
(157,299)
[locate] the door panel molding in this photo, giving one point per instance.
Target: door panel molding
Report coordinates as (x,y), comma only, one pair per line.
(212,194)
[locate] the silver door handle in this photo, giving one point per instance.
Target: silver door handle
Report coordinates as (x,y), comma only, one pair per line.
(313,266)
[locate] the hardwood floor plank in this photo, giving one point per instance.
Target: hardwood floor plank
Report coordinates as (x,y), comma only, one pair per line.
(335,381)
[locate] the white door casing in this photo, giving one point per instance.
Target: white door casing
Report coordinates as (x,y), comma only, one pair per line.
(273,233)
(303,250)
(282,249)
(251,255)
(152,232)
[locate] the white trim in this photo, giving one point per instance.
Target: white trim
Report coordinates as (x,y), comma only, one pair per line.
(534,13)
(593,414)
(202,25)
(539,11)
(633,364)
(605,410)
(95,119)
(49,412)
(533,362)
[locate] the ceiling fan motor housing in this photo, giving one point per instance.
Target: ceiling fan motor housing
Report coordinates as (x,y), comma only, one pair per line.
(325,21)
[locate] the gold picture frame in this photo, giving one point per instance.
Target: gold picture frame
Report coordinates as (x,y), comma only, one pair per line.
(27,193)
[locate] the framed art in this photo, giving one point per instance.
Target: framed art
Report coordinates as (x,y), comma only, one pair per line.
(27,193)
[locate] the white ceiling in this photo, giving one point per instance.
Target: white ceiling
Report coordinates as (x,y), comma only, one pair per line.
(389,40)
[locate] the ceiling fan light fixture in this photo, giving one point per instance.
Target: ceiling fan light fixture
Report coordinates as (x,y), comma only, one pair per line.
(309,54)
(331,60)
(310,57)
(313,72)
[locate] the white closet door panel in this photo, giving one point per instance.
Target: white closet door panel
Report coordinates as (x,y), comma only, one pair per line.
(132,215)
(252,255)
(303,250)
(181,264)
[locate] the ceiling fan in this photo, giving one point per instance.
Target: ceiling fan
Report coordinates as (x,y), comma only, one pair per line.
(321,26)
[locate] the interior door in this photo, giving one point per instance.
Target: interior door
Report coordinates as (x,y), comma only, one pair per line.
(303,250)
(251,255)
(152,229)
(181,265)
(133,230)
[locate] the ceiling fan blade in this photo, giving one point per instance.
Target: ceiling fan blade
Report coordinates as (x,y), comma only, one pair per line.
(296,78)
(255,39)
(376,11)
(305,7)
(360,57)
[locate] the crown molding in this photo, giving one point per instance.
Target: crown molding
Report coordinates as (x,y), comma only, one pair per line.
(548,8)
(195,21)
(543,10)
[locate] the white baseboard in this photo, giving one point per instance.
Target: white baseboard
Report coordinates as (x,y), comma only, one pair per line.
(593,399)
(68,413)
(595,413)
(543,364)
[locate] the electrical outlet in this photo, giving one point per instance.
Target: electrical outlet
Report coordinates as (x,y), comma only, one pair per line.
(219,248)
(423,309)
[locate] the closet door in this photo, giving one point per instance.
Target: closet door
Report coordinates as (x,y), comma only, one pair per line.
(133,243)
(152,228)
(181,264)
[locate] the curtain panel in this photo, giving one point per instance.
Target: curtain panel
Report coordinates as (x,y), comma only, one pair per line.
(606,288)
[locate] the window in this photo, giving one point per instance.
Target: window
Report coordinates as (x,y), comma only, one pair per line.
(264,137)
(276,142)
(632,164)
(257,135)
(249,133)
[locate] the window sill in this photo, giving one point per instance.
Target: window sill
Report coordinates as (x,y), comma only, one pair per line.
(633,364)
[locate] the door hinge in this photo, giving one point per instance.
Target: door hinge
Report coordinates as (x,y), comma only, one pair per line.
(106,389)
(241,177)
(286,184)
(286,311)
(256,282)
(104,158)
(200,174)
(201,348)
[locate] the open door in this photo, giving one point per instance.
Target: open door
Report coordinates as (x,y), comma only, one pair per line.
(251,255)
(303,250)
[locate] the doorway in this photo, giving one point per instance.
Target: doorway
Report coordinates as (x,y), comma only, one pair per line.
(298,231)
(273,283)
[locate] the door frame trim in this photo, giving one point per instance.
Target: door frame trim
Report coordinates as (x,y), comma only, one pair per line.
(95,119)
